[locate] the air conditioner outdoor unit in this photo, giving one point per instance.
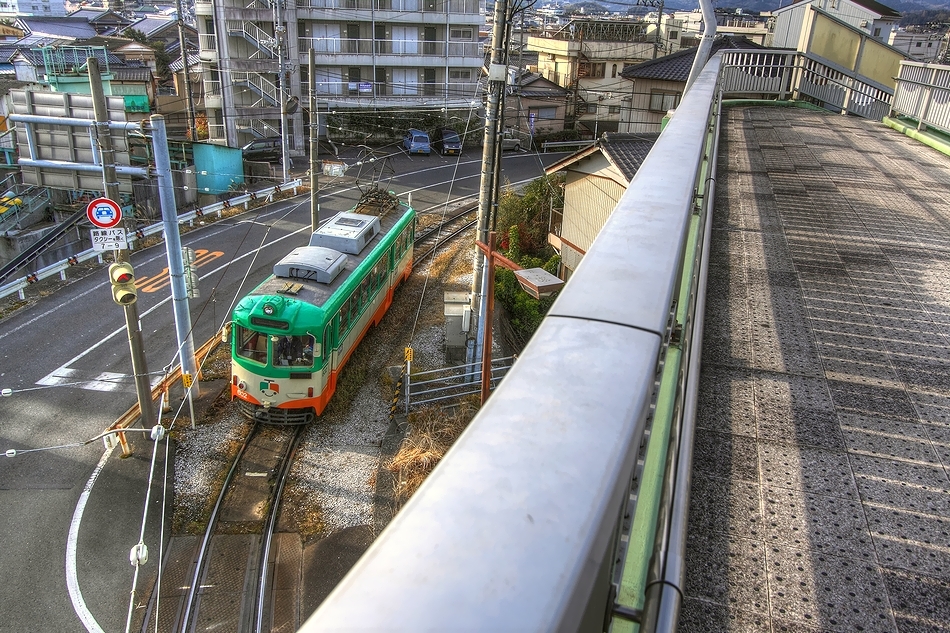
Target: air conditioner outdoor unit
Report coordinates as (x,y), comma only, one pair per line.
(864,24)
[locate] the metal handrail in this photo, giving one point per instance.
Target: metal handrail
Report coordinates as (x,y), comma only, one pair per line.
(516,528)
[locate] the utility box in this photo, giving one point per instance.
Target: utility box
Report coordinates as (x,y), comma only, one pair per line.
(458,322)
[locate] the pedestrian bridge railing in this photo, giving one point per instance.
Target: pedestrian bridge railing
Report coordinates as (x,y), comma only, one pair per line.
(923,94)
(547,511)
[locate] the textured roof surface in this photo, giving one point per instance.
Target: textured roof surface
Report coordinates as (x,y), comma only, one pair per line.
(627,151)
(60,27)
(676,67)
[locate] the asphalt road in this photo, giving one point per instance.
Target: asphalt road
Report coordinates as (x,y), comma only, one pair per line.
(71,515)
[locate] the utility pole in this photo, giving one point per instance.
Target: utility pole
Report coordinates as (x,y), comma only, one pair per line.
(279,32)
(314,145)
(487,196)
(143,388)
(189,101)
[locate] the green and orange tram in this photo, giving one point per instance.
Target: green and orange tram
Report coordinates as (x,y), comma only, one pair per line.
(292,334)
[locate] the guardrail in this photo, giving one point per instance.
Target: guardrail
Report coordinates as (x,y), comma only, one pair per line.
(126,420)
(519,527)
(20,284)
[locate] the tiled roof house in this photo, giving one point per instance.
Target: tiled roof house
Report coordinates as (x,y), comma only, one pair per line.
(658,85)
(595,180)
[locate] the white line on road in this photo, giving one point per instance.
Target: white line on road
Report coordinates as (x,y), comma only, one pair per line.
(72,578)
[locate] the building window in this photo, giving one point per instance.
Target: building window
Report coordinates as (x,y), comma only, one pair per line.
(614,109)
(674,35)
(591,71)
(877,32)
(918,44)
(461,75)
(613,71)
(461,34)
(543,113)
(662,101)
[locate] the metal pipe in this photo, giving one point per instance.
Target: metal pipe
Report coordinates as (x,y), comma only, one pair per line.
(176,268)
(84,167)
(73,122)
(702,53)
(671,599)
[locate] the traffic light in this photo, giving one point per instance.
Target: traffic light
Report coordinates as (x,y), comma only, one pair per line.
(123,283)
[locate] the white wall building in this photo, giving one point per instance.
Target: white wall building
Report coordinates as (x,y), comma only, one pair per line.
(48,8)
(369,54)
(921,47)
(874,18)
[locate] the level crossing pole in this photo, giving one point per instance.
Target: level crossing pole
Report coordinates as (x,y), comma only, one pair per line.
(176,267)
(487,195)
(143,388)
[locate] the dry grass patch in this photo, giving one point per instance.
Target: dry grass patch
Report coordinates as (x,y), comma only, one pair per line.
(431,433)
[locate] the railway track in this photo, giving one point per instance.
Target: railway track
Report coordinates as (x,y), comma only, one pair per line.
(223,581)
(431,237)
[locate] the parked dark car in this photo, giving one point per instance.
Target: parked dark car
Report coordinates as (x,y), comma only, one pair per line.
(447,141)
(416,142)
(263,149)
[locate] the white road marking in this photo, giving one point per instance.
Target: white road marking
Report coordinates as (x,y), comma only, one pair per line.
(72,579)
(104,381)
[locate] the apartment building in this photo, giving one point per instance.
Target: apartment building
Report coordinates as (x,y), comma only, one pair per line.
(920,45)
(587,56)
(371,55)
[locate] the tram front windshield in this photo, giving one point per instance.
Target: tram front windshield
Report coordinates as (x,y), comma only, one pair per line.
(285,350)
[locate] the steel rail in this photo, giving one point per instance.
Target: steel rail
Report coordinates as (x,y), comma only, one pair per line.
(443,239)
(270,526)
(200,564)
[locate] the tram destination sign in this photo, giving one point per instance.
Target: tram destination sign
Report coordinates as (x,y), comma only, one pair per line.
(109,239)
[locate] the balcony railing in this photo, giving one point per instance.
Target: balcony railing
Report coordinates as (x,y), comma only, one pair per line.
(923,94)
(400,48)
(371,89)
(208,41)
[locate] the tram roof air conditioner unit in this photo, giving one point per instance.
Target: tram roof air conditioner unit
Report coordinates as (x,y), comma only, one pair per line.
(314,263)
(346,232)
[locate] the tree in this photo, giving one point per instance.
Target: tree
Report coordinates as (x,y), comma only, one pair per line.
(162,58)
(527,218)
(531,213)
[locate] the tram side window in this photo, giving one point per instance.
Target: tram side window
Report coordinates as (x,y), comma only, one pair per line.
(295,351)
(345,318)
(252,345)
(364,293)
